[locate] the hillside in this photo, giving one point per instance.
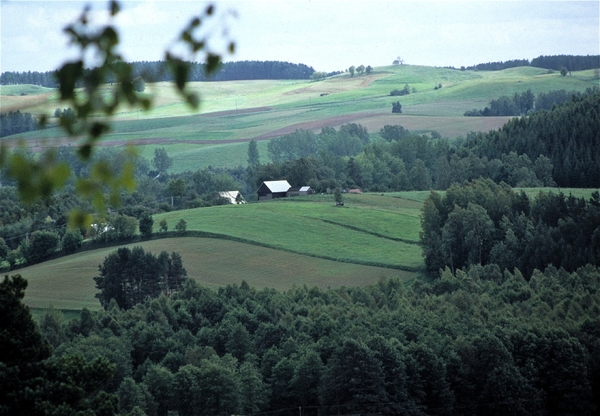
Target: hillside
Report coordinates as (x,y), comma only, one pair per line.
(279,245)
(235,112)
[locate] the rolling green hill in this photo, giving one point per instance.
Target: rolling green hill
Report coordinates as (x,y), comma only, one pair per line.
(232,113)
(280,244)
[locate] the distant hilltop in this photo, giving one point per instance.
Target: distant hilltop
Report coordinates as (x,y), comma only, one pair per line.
(154,71)
(555,62)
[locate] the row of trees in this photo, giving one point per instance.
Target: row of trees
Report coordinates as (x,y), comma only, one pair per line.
(400,161)
(498,66)
(555,62)
(349,140)
(360,70)
(571,62)
(517,105)
(14,122)
(483,223)
(522,104)
(156,71)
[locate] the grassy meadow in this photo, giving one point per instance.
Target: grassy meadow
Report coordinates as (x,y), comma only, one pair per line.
(280,244)
(67,283)
(367,234)
(235,112)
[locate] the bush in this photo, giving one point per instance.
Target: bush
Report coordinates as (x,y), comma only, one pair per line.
(71,241)
(181,226)
(146,223)
(403,91)
(40,246)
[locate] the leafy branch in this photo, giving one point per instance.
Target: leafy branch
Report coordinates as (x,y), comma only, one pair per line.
(95,94)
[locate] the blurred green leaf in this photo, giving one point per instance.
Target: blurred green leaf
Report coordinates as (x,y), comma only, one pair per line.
(114,8)
(68,76)
(212,63)
(193,100)
(79,219)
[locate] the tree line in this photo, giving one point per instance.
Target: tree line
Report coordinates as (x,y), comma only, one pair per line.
(522,104)
(553,62)
(15,122)
(156,71)
(568,135)
(481,222)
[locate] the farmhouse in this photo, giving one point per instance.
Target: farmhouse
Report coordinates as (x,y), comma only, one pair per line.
(273,189)
(234,197)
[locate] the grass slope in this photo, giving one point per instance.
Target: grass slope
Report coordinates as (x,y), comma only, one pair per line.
(280,244)
(234,112)
(67,282)
(362,232)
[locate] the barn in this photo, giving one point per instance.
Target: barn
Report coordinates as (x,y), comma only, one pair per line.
(273,189)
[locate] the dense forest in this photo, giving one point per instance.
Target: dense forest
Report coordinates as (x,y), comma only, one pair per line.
(569,135)
(553,62)
(156,72)
(482,223)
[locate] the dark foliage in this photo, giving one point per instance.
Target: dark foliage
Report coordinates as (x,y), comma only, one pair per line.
(571,62)
(498,66)
(555,62)
(34,383)
(568,135)
(483,223)
(130,276)
(14,122)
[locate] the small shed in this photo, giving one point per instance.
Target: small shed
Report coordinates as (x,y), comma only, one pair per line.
(273,189)
(306,190)
(234,197)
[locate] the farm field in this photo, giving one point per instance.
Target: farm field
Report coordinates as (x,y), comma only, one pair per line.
(280,244)
(234,112)
(362,231)
(67,283)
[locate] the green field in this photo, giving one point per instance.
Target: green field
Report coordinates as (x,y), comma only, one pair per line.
(235,112)
(277,244)
(67,283)
(359,233)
